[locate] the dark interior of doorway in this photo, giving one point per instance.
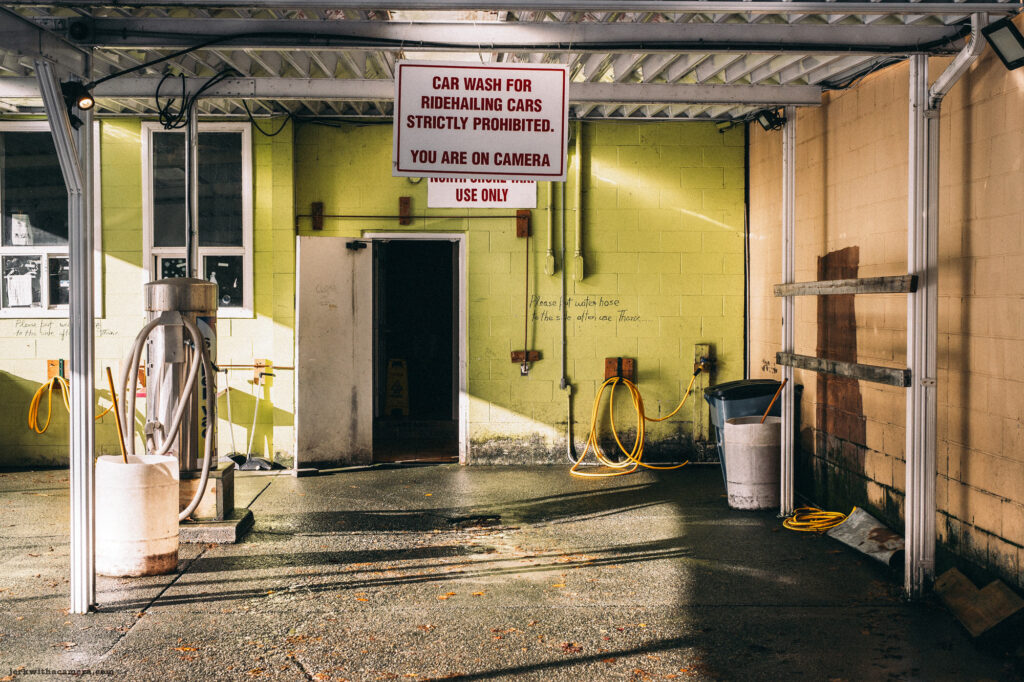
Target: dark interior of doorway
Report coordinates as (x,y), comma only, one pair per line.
(415,354)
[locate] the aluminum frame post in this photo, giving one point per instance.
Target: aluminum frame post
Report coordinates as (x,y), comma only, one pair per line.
(192,265)
(786,482)
(74,152)
(922,332)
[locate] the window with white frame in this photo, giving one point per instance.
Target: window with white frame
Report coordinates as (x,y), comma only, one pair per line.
(34,262)
(225,209)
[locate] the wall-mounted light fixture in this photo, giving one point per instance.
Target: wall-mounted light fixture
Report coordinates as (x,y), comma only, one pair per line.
(770,119)
(1006,42)
(77,95)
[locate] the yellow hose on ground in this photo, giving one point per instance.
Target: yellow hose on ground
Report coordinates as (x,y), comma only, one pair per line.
(634,456)
(812,519)
(57,382)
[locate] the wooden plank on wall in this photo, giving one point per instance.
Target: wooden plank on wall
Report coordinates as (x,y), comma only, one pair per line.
(879,375)
(899,284)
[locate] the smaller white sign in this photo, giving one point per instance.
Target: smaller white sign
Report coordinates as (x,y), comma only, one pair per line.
(480,193)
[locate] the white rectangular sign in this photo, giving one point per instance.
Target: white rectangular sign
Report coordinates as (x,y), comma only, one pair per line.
(466,120)
(481,193)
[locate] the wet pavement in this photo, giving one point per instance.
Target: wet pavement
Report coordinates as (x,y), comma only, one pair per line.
(481,573)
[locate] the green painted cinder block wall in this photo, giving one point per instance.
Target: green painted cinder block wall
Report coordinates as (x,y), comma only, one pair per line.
(26,344)
(662,213)
(663,245)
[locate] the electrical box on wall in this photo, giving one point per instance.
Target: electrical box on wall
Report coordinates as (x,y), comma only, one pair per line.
(624,368)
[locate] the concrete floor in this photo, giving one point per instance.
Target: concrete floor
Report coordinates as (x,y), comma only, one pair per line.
(476,574)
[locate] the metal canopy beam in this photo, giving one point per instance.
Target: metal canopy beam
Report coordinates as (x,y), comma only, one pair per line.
(379,90)
(665,6)
(157,33)
(25,38)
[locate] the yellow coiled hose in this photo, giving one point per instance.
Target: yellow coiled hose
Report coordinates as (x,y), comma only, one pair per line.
(634,456)
(47,389)
(812,519)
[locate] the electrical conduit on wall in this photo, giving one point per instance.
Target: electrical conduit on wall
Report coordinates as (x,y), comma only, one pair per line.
(578,266)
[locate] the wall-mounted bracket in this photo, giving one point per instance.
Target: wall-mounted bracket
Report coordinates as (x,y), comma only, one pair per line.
(405,210)
(316,214)
(624,368)
(523,223)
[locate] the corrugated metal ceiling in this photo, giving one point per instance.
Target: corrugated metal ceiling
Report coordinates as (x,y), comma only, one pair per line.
(335,58)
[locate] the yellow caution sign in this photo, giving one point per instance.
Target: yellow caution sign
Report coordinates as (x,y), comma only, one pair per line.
(396,400)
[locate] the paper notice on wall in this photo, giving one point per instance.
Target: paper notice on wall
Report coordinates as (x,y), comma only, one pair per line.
(21,230)
(481,193)
(505,121)
(19,291)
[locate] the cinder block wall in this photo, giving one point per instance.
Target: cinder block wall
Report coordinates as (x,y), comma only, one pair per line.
(27,343)
(662,212)
(852,221)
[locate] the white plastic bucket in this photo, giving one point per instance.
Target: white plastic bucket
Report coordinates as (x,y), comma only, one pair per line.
(136,515)
(752,454)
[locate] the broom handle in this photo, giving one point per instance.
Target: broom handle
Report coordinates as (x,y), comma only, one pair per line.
(774,398)
(117,415)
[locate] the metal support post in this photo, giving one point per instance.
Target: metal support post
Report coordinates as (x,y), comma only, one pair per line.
(786,493)
(76,167)
(922,316)
(192,265)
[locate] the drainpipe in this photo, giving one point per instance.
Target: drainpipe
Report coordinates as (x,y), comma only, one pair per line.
(570,448)
(578,271)
(922,307)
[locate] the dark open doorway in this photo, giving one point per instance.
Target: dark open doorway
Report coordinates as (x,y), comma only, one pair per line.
(416,342)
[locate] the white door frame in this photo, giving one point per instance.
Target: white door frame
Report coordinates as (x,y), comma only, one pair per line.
(460,238)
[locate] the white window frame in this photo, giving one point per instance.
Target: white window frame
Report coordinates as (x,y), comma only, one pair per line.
(47,252)
(151,254)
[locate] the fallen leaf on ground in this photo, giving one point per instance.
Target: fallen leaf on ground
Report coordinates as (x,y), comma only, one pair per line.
(184,648)
(571,648)
(446,596)
(479,594)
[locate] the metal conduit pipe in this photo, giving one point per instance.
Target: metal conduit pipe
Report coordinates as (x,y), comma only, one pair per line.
(578,266)
(549,260)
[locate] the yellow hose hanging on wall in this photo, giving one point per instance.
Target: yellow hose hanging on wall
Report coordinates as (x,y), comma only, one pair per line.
(56,383)
(634,456)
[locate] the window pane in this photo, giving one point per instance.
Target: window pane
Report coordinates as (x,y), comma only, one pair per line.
(226,271)
(22,277)
(172,267)
(60,280)
(35,201)
(168,189)
(220,189)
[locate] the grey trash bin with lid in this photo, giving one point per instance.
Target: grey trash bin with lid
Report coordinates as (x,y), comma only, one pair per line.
(744,398)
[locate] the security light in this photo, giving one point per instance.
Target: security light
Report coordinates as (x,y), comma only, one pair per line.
(76,95)
(770,119)
(1006,42)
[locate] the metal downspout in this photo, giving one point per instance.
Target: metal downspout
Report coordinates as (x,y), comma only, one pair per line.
(76,167)
(564,384)
(923,306)
(788,309)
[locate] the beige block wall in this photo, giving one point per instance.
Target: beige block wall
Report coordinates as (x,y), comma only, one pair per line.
(851,192)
